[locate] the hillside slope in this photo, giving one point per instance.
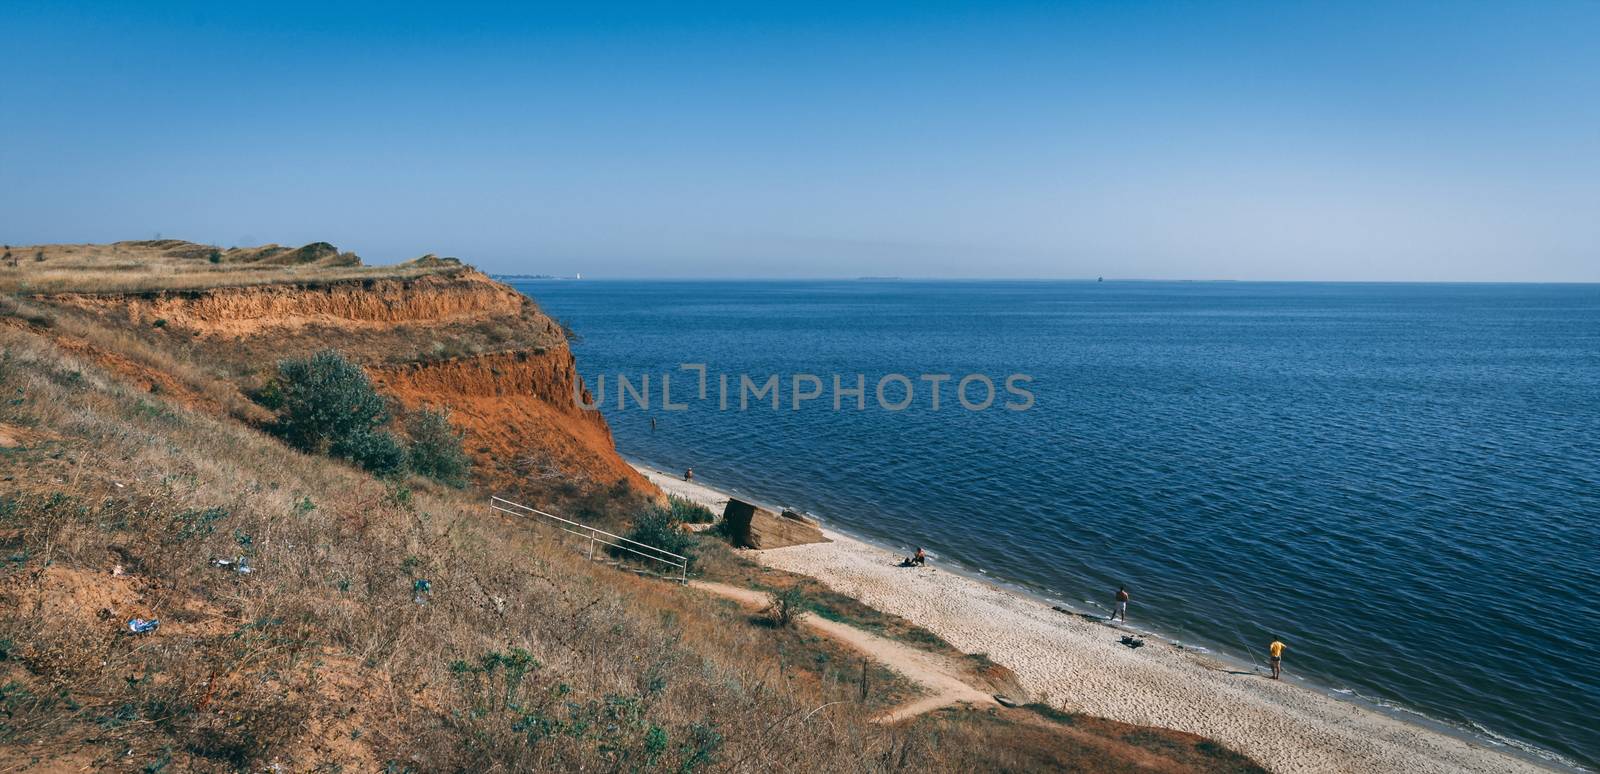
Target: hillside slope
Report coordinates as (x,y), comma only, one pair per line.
(392,624)
(519,656)
(431,332)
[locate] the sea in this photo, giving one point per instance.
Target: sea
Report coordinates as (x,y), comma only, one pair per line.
(1400,481)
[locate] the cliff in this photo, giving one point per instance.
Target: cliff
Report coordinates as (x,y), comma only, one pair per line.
(431,332)
(377,303)
(519,412)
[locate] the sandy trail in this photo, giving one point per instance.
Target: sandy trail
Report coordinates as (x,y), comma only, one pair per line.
(938,676)
(1079,666)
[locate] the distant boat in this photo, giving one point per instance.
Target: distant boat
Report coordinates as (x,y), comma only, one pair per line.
(1102,279)
(578,276)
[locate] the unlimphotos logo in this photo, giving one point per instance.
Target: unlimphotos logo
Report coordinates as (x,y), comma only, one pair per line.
(738,392)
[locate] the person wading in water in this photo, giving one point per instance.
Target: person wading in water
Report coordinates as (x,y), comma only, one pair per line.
(1122,604)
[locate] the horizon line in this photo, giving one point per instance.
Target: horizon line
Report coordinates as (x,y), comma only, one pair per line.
(1088,280)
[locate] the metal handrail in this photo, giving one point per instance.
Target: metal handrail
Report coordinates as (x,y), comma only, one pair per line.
(581,525)
(676,561)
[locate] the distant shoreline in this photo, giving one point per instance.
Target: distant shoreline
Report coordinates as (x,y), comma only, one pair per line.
(1290,725)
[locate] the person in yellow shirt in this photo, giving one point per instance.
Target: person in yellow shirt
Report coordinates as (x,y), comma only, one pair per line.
(1275,657)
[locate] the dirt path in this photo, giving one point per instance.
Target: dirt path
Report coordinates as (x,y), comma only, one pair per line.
(938,676)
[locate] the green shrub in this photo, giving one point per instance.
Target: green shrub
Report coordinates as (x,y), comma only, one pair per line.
(689,512)
(196,523)
(436,448)
(786,606)
(269,395)
(378,451)
(656,527)
(325,399)
(327,405)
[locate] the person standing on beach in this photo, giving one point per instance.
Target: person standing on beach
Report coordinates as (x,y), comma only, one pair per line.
(688,475)
(1275,657)
(1122,604)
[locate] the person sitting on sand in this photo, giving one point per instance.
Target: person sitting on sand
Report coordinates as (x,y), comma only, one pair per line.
(1122,604)
(1275,657)
(920,558)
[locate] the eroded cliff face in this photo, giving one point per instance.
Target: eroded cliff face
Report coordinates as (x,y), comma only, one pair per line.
(237,311)
(450,338)
(520,412)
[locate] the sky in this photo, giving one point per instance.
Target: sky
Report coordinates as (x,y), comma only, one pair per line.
(1447,141)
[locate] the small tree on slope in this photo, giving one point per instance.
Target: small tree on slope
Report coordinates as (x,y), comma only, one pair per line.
(328,406)
(436,448)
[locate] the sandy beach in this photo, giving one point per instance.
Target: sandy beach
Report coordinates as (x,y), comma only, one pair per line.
(1079,665)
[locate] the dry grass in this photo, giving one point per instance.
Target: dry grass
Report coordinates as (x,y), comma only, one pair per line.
(135,358)
(145,279)
(232,357)
(239,672)
(139,267)
(1040,739)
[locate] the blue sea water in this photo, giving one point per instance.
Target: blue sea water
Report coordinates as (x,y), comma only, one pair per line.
(1401,481)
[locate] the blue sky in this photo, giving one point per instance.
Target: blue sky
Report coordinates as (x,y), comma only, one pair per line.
(1392,141)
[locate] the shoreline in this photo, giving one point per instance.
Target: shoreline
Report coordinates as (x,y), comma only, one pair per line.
(1072,659)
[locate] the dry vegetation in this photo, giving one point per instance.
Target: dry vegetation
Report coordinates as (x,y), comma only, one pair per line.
(138,355)
(473,344)
(322,655)
(1038,738)
(171,264)
(125,471)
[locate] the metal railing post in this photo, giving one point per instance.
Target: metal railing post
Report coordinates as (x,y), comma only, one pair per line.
(599,536)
